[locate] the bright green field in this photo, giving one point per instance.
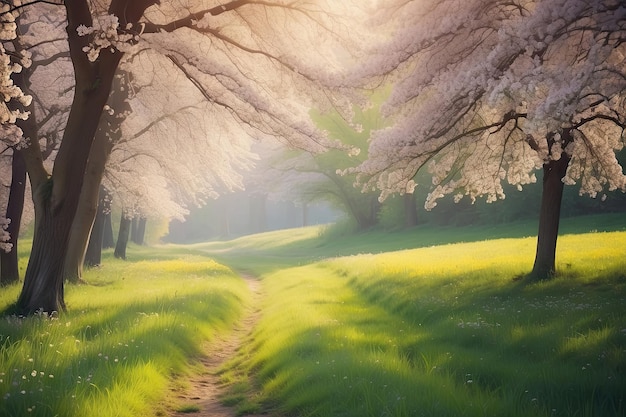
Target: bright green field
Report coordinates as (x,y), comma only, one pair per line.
(437,331)
(350,326)
(124,336)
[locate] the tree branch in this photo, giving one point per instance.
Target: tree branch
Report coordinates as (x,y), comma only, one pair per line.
(13,8)
(188,21)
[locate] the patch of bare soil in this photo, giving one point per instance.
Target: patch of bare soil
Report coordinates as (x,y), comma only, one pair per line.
(205,388)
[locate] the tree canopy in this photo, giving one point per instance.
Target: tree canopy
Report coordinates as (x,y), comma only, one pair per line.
(483,96)
(244,58)
(496,90)
(492,91)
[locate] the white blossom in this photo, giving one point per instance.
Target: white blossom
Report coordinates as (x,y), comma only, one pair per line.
(106,34)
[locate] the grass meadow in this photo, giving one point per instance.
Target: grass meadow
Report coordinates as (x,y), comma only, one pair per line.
(112,354)
(441,330)
(403,324)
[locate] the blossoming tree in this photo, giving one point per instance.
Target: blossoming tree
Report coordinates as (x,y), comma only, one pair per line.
(14,111)
(148,173)
(44,62)
(260,65)
(497,90)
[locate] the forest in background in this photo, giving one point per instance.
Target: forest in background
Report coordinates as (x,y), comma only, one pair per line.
(246,214)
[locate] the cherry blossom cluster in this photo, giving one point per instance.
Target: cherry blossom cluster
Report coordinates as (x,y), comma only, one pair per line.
(9,132)
(12,99)
(107,34)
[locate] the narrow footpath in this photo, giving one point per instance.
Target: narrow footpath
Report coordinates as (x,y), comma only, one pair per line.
(205,388)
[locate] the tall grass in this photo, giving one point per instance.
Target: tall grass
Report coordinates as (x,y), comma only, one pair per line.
(444,331)
(126,333)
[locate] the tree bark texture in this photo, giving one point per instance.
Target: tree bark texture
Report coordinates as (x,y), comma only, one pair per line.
(56,206)
(122,238)
(43,284)
(82,224)
(9,270)
(549,216)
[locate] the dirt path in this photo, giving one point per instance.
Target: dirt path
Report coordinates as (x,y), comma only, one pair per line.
(205,390)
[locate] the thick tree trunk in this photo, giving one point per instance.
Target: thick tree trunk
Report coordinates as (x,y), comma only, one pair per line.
(79,235)
(93,255)
(9,271)
(56,206)
(410,210)
(57,198)
(549,216)
(122,238)
(43,283)
(90,197)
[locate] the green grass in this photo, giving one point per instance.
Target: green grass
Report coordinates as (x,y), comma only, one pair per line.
(437,331)
(270,251)
(125,335)
(402,324)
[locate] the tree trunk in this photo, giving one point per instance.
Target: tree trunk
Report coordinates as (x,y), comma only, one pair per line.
(141,231)
(107,237)
(56,205)
(410,210)
(9,271)
(43,283)
(367,217)
(107,134)
(122,238)
(57,198)
(91,196)
(134,223)
(549,216)
(93,255)
(82,224)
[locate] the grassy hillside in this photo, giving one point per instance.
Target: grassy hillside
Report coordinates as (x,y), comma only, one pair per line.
(428,322)
(272,250)
(435,331)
